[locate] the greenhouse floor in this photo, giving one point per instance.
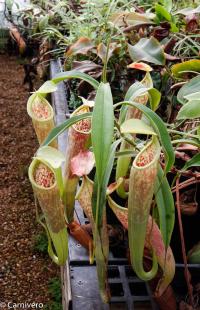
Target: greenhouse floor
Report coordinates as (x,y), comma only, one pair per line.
(24,273)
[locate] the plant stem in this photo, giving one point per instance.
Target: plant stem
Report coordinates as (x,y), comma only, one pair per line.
(182,133)
(104,73)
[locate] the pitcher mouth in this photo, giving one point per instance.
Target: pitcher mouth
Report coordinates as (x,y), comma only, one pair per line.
(40,110)
(44,176)
(148,155)
(41,175)
(83,126)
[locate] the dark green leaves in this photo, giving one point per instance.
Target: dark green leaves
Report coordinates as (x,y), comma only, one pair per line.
(147,50)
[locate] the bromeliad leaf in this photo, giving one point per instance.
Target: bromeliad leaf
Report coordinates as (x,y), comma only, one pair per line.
(102,128)
(190,110)
(136,126)
(148,50)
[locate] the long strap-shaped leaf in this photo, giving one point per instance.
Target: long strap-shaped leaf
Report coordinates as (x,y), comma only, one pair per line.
(141,186)
(160,129)
(61,128)
(102,135)
(165,205)
(77,75)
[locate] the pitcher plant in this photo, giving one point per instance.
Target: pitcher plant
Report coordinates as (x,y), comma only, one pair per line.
(101,138)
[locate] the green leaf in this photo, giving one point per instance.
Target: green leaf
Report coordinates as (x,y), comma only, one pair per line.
(190,110)
(148,50)
(154,98)
(193,162)
(165,205)
(194,96)
(102,136)
(47,87)
(162,13)
(61,128)
(44,22)
(195,142)
(180,69)
(53,156)
(161,131)
(167,4)
(135,90)
(198,131)
(102,128)
(138,89)
(194,254)
(136,126)
(104,184)
(77,75)
(193,86)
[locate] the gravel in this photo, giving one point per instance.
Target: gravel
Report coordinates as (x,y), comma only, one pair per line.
(24,273)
